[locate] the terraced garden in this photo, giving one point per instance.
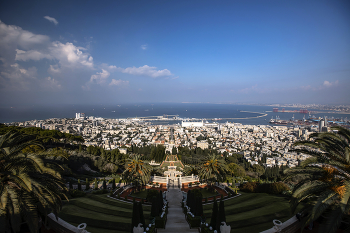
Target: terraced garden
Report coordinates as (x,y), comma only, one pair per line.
(102,214)
(253,212)
(250,212)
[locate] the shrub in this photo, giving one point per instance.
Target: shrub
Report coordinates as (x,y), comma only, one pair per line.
(79,184)
(87,185)
(250,187)
(278,187)
(150,194)
(270,188)
(101,191)
(76,193)
(96,185)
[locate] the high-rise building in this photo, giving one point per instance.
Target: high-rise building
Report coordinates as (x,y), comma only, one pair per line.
(320,125)
(79,115)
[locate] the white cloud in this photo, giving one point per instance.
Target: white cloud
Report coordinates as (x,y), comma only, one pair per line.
(17,44)
(16,77)
(144,47)
(54,69)
(30,55)
(118,82)
(329,84)
(51,83)
(52,20)
(70,55)
(146,71)
(326,84)
(13,37)
(100,77)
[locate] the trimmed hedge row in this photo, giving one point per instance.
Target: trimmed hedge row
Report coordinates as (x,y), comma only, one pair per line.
(102,210)
(232,201)
(270,188)
(117,203)
(122,226)
(193,221)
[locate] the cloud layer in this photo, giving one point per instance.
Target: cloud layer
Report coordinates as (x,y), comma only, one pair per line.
(52,20)
(145,70)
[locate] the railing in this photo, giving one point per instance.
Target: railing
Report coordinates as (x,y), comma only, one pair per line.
(61,226)
(290,226)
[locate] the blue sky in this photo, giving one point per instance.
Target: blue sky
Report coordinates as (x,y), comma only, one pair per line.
(111,52)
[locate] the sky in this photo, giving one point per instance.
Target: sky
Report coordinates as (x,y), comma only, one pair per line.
(113,52)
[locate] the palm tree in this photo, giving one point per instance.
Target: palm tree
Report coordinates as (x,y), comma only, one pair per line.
(214,169)
(325,184)
(137,171)
(29,189)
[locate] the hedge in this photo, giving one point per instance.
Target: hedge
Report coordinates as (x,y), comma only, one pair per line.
(117,203)
(270,188)
(194,221)
(100,209)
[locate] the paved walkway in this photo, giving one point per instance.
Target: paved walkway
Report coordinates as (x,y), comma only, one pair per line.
(176,218)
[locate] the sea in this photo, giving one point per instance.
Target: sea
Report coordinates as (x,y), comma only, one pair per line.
(244,114)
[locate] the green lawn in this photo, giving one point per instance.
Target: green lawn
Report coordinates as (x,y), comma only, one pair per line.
(253,212)
(207,193)
(250,212)
(102,214)
(141,194)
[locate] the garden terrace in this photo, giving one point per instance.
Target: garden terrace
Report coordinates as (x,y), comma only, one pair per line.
(101,213)
(253,212)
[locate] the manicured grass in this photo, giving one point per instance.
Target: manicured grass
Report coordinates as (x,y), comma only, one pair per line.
(253,212)
(141,194)
(207,193)
(102,214)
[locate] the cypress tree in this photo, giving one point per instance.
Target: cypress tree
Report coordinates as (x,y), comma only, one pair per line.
(104,186)
(135,216)
(113,184)
(214,215)
(199,206)
(221,215)
(87,185)
(79,185)
(154,208)
(160,201)
(188,198)
(96,185)
(142,218)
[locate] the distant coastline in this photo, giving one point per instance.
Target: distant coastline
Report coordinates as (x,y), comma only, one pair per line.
(245,114)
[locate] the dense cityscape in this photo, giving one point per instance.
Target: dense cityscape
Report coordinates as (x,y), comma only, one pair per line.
(250,140)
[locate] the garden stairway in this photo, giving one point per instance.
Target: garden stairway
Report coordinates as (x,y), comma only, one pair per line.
(176,219)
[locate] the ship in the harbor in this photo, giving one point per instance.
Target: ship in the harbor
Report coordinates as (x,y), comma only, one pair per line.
(278,121)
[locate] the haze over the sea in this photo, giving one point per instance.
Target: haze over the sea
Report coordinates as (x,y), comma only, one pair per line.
(245,114)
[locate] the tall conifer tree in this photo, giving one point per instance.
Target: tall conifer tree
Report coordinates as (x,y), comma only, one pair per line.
(79,184)
(214,214)
(87,185)
(142,218)
(135,216)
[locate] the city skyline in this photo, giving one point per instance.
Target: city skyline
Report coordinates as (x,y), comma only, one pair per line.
(174,51)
